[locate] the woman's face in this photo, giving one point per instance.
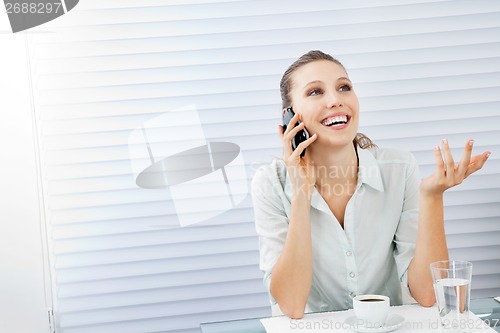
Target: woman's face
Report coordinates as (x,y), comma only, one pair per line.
(323,96)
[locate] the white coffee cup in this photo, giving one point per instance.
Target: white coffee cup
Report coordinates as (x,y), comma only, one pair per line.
(371,310)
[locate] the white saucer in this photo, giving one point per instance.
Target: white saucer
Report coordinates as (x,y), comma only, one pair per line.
(393,322)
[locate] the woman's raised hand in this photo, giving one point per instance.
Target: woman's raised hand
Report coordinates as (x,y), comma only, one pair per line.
(448,173)
(300,169)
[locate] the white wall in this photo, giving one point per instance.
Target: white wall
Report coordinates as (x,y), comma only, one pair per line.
(22,303)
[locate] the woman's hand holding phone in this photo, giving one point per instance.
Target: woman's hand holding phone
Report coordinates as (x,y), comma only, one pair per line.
(300,168)
(301,135)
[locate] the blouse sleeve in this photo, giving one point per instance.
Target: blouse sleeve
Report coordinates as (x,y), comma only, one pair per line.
(271,220)
(406,233)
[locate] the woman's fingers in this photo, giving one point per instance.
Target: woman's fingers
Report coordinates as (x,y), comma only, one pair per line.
(281,130)
(439,160)
(465,160)
(476,163)
(448,160)
(303,145)
(291,124)
(447,173)
(284,131)
(293,128)
(289,128)
(455,174)
(289,135)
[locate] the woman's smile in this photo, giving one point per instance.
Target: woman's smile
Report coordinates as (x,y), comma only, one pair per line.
(336,121)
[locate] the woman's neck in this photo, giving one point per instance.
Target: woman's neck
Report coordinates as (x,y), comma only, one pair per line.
(335,167)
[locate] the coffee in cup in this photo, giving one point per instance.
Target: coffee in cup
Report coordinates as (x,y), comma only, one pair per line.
(371,310)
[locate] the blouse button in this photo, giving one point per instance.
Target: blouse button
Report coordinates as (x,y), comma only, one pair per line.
(352,274)
(352,294)
(348,253)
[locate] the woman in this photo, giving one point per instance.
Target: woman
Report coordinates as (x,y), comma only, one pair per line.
(347,218)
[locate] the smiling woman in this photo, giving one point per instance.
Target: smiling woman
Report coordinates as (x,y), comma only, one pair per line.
(320,246)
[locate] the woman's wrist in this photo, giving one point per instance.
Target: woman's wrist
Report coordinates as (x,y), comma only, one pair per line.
(303,191)
(302,194)
(433,193)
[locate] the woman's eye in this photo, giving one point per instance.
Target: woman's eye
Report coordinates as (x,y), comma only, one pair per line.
(315,92)
(345,87)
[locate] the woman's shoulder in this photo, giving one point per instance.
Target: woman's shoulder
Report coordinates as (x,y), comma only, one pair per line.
(270,173)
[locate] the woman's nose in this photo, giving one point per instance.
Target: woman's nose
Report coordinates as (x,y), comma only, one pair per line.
(334,99)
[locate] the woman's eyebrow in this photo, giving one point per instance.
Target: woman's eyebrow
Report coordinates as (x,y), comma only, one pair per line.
(313,82)
(343,78)
(321,82)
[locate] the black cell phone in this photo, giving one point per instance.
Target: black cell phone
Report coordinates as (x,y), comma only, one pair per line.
(301,136)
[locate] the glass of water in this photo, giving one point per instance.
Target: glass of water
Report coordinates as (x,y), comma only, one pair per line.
(452,280)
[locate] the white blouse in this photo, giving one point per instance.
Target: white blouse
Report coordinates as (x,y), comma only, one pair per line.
(371,254)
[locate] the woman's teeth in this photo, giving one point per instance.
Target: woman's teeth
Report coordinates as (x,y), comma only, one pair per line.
(336,120)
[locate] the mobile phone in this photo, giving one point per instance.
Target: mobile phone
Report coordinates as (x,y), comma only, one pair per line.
(301,136)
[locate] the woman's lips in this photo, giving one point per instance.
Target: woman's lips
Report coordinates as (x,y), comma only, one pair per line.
(336,121)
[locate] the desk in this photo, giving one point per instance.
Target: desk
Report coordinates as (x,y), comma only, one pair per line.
(486,308)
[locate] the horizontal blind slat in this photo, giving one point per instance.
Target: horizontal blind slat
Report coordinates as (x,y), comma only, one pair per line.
(160,266)
(149,282)
(347,22)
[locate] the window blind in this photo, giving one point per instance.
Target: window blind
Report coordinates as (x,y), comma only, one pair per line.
(423,70)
